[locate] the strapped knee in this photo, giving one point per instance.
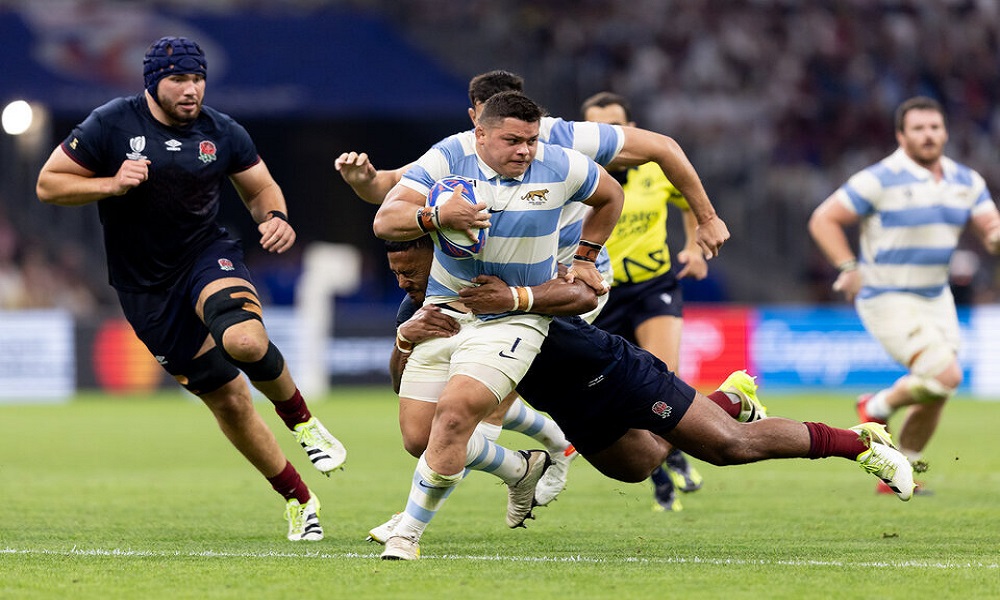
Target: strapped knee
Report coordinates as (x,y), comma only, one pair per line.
(268,368)
(928,389)
(233,305)
(230,306)
(207,373)
(931,362)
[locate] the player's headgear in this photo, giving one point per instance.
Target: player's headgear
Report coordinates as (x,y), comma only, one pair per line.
(171,56)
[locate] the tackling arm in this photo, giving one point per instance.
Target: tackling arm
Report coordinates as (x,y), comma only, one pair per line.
(556,297)
(428,322)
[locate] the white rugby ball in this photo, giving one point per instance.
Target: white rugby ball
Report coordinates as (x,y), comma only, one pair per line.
(453,242)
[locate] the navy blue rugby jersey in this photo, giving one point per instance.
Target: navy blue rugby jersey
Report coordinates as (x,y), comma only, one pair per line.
(153,233)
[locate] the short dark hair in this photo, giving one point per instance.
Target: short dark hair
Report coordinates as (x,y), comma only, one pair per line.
(603,99)
(916,103)
(514,105)
(485,85)
(419,243)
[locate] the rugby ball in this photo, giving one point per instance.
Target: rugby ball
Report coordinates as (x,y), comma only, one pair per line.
(453,242)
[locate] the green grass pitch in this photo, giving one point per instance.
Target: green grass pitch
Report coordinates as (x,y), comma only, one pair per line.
(116,497)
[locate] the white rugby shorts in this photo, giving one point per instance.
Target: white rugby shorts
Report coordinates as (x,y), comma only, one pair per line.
(496,353)
(906,324)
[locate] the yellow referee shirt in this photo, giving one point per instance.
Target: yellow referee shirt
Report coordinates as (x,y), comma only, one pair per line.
(638,245)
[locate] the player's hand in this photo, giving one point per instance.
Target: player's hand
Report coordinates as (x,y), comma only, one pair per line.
(490,296)
(587,272)
(129,175)
(695,265)
(276,235)
(849,284)
(355,168)
(429,322)
(457,213)
(711,235)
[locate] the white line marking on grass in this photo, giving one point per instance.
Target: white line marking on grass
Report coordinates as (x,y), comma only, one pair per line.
(127,553)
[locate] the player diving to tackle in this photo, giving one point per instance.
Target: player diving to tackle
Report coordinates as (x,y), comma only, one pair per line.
(612,146)
(623,409)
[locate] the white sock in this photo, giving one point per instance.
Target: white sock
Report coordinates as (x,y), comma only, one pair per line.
(490,457)
(877,407)
(428,492)
(491,431)
(522,418)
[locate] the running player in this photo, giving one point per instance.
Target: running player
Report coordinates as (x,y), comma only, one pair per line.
(154,163)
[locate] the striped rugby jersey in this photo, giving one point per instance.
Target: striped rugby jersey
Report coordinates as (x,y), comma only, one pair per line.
(600,141)
(910,223)
(523,237)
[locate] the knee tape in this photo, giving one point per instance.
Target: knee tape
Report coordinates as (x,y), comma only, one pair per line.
(230,306)
(233,305)
(207,373)
(268,368)
(928,389)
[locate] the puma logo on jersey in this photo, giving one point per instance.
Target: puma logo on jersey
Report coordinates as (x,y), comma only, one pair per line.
(535,196)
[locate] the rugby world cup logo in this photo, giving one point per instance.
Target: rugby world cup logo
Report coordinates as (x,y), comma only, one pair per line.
(225,264)
(661,409)
(137,144)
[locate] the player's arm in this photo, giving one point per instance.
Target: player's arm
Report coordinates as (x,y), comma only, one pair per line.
(64,182)
(642,146)
(428,322)
(369,183)
(606,206)
(986,226)
(827,226)
(691,256)
(266,203)
(402,216)
(556,297)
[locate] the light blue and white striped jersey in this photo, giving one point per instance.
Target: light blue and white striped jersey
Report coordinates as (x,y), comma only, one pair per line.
(523,237)
(601,142)
(911,223)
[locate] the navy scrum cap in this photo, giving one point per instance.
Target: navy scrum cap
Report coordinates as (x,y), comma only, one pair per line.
(171,56)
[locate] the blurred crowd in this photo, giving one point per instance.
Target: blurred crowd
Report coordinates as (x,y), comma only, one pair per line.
(38,273)
(776,102)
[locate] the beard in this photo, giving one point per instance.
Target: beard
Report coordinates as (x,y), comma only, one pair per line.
(181,116)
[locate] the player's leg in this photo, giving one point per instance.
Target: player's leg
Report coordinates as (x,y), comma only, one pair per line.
(707,433)
(661,336)
(924,335)
(518,416)
(473,389)
(231,311)
(415,417)
(632,457)
(921,334)
(174,334)
(232,406)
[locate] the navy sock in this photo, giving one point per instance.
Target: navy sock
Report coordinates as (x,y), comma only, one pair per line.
(659,476)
